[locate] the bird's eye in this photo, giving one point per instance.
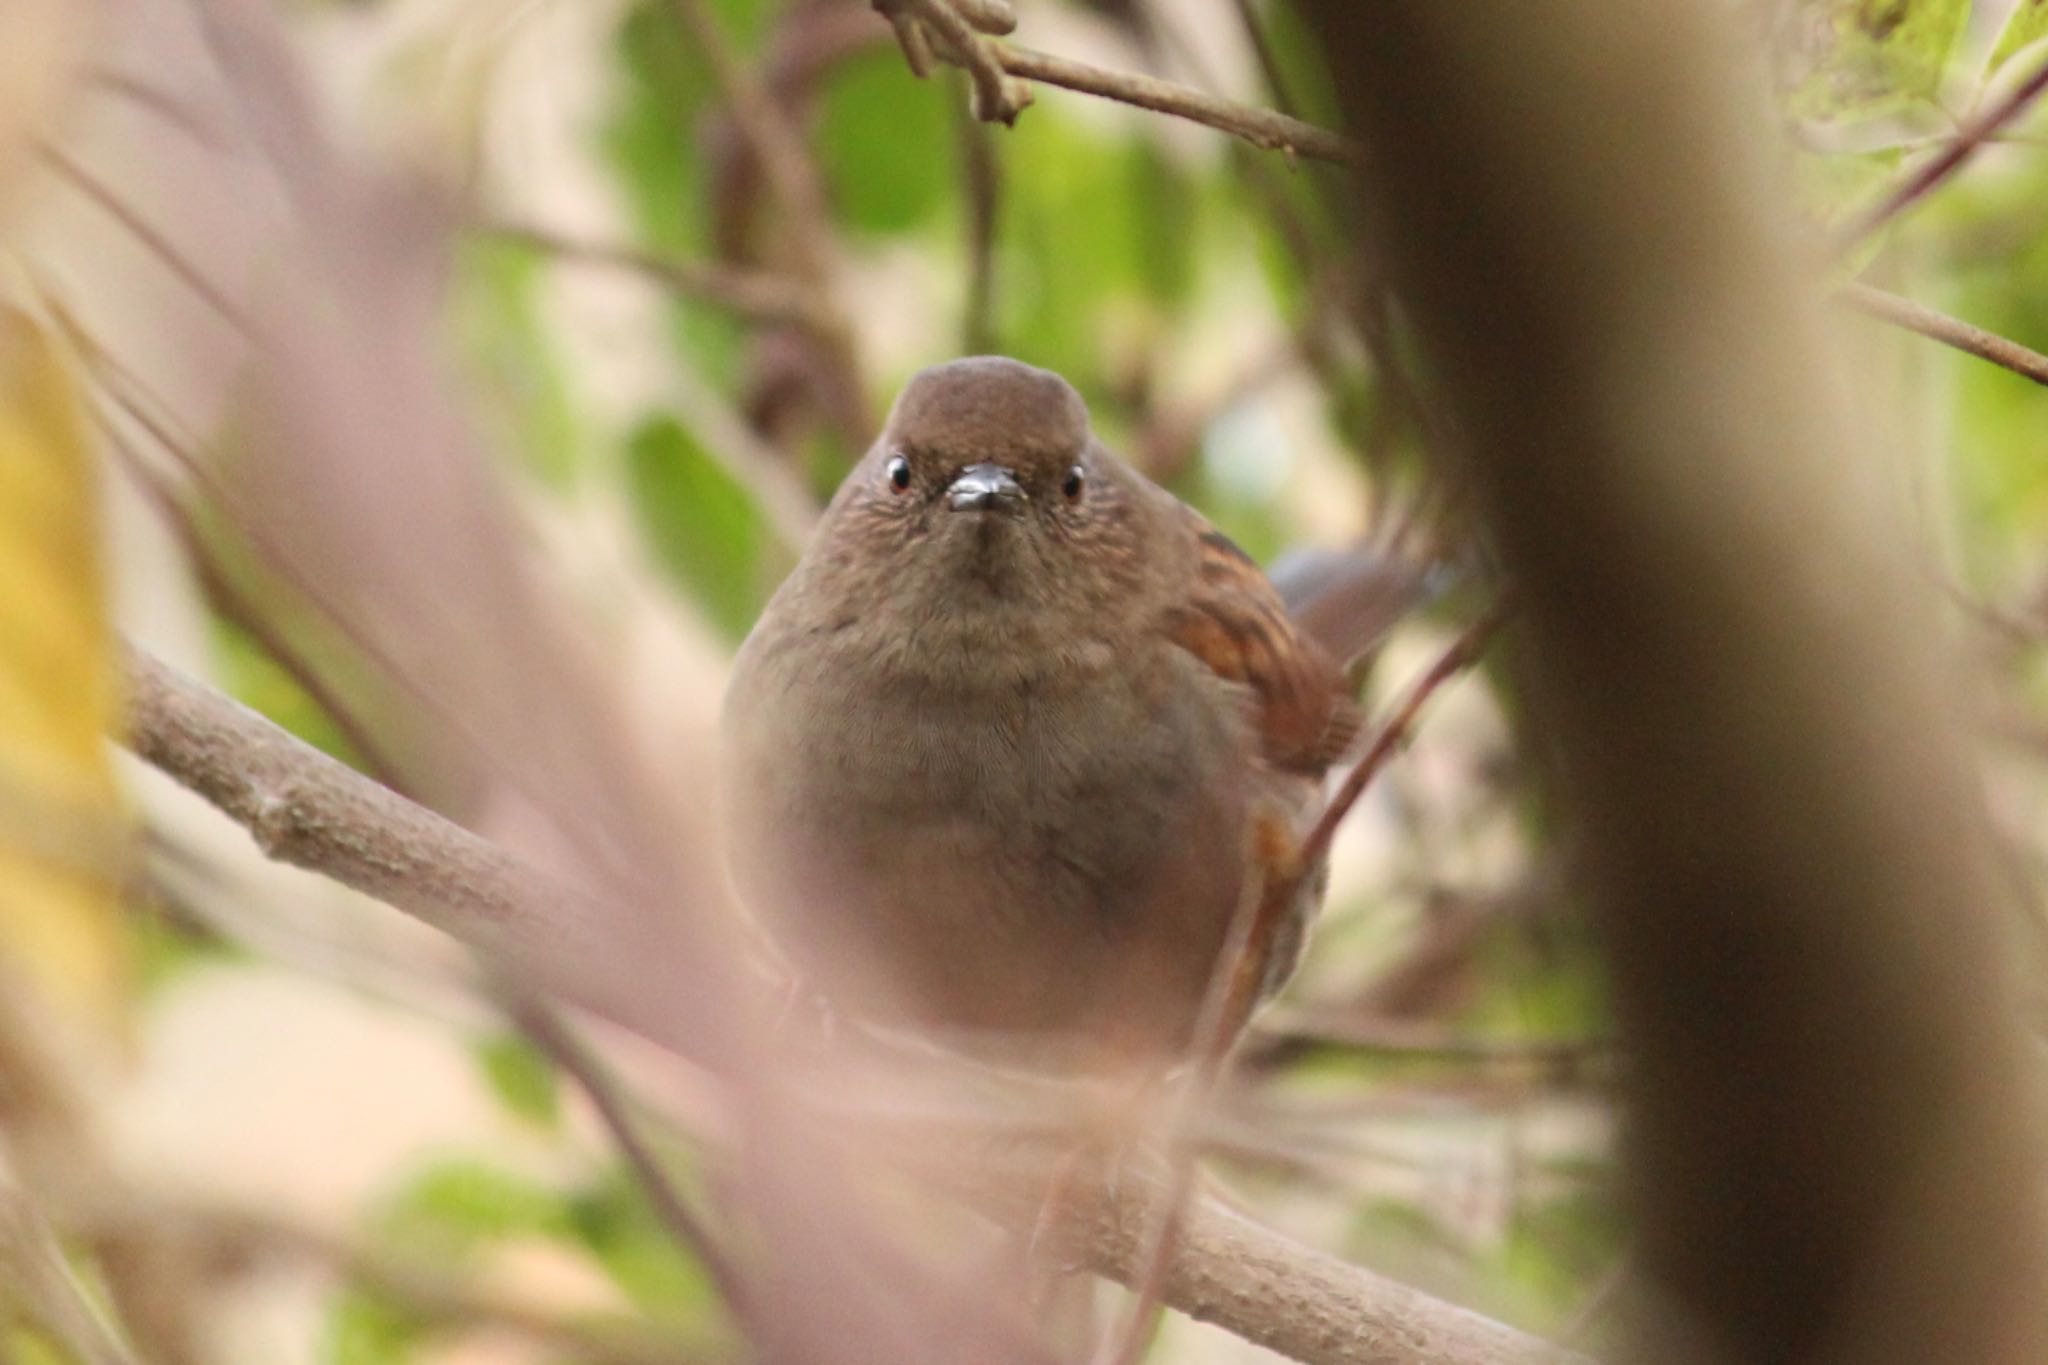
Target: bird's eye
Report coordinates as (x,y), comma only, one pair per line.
(1070,488)
(898,470)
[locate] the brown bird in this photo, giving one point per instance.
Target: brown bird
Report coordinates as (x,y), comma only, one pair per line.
(1021,733)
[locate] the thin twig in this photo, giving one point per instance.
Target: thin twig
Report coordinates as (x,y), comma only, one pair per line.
(770,136)
(97,190)
(779,148)
(1227,996)
(1950,331)
(1462,652)
(1599,1301)
(228,599)
(544,1024)
(315,812)
(987,61)
(124,388)
(1260,127)
(1407,1039)
(1269,61)
(1950,159)
(997,97)
(39,1276)
(1233,988)
(755,294)
(165,105)
(981,187)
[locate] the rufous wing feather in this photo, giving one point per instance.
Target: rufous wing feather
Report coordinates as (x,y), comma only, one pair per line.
(1236,624)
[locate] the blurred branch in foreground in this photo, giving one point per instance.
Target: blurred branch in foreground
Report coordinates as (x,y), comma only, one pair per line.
(310,810)
(1835,1148)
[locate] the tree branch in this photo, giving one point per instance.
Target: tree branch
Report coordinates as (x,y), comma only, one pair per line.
(1228,1270)
(305,808)
(997,97)
(1949,331)
(1949,160)
(1260,127)
(545,1025)
(999,101)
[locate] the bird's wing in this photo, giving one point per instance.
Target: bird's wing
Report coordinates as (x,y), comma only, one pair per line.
(1236,624)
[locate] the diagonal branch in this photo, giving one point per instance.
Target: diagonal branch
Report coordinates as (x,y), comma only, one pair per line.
(309,810)
(1949,331)
(1260,127)
(1949,160)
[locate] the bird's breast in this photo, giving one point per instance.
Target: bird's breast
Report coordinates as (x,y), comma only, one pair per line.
(1022,857)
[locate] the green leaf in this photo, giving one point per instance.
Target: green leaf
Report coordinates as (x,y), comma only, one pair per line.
(699,521)
(2028,23)
(1866,58)
(1084,237)
(362,1330)
(615,1223)
(885,144)
(522,1078)
(501,332)
(1556,1247)
(250,675)
(458,1207)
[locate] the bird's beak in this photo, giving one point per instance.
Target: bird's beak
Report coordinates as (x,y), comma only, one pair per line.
(985,486)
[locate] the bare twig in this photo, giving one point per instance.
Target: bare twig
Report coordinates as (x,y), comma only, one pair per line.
(1409,1040)
(779,149)
(1463,650)
(1599,1301)
(1234,983)
(1269,61)
(997,97)
(36,1273)
(308,809)
(174,260)
(1260,127)
(999,101)
(544,1024)
(1228,1270)
(772,139)
(162,103)
(227,598)
(1950,159)
(1950,331)
(1229,995)
(981,187)
(755,294)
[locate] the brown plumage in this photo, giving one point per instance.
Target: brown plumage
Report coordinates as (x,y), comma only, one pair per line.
(1006,751)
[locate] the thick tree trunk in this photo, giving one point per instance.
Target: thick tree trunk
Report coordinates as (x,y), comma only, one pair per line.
(1834,1146)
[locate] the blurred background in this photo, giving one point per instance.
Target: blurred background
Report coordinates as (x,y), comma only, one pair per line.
(639,280)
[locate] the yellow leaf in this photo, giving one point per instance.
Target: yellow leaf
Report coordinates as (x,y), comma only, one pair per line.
(62,835)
